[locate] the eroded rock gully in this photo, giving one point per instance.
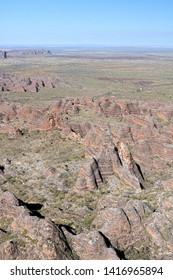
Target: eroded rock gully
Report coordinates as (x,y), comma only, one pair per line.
(117,201)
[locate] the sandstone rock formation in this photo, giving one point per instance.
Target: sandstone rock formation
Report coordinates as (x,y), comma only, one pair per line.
(33,236)
(123,226)
(92,246)
(116,193)
(106,159)
(14,84)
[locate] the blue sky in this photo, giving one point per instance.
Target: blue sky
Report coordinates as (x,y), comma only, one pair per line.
(86,22)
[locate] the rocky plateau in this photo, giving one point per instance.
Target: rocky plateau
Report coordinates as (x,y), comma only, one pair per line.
(85,178)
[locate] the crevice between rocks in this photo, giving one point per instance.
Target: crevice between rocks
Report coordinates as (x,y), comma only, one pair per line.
(119,253)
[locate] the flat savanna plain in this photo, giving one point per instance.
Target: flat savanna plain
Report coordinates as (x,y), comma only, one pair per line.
(41,166)
(133,76)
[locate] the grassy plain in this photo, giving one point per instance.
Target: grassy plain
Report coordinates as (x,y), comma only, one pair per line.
(141,74)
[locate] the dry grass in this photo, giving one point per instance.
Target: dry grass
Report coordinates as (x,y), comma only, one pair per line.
(144,77)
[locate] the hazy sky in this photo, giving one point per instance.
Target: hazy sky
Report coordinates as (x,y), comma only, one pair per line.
(86,22)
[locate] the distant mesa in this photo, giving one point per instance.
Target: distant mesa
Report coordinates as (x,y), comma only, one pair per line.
(3,54)
(23,53)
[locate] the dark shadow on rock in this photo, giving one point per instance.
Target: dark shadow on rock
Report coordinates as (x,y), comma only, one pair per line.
(140,171)
(118,156)
(2,169)
(37,214)
(33,208)
(3,230)
(68,228)
(119,253)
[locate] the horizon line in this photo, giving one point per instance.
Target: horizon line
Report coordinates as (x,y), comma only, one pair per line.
(83,46)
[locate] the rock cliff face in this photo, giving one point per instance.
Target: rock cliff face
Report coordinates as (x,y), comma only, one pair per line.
(115,202)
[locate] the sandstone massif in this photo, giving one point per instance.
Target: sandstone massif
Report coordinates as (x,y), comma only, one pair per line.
(125,172)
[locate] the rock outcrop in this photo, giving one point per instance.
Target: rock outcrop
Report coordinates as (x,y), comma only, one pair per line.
(92,246)
(14,84)
(123,226)
(25,234)
(3,54)
(107,156)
